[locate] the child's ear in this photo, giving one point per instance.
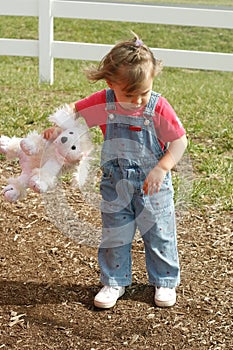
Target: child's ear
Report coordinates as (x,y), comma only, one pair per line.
(110,85)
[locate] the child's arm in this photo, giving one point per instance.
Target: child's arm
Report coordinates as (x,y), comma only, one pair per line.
(156,176)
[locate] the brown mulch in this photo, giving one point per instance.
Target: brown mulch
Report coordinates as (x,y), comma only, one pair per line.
(49,275)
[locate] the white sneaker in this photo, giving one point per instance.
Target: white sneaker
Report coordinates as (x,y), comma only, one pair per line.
(165,297)
(107,296)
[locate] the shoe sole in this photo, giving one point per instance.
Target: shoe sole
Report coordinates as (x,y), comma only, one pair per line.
(107,305)
(167,303)
(104,306)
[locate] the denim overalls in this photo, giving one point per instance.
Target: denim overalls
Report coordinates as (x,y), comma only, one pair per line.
(130,150)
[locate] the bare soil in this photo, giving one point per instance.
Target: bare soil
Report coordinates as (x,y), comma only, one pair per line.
(48,281)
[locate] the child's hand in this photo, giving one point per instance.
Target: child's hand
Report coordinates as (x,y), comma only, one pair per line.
(154,180)
(51,133)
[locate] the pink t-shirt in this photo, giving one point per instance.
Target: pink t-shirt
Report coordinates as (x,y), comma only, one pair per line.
(167,125)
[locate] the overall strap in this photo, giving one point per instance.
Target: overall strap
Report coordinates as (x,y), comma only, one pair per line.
(110,100)
(151,105)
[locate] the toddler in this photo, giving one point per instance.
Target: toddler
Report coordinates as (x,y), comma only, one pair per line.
(143,141)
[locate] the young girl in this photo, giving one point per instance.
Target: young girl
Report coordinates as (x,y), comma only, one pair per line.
(143,140)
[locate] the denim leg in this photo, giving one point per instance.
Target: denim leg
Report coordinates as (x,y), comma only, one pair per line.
(161,251)
(115,248)
(115,265)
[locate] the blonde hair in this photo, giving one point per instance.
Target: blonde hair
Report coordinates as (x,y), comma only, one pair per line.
(128,61)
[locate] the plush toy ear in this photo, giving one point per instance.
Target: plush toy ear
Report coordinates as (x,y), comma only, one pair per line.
(64,118)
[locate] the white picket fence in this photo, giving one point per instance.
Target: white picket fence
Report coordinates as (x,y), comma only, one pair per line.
(47,49)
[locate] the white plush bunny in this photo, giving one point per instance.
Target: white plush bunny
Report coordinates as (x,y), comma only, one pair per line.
(42,161)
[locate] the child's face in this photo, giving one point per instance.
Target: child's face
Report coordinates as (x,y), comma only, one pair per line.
(132,100)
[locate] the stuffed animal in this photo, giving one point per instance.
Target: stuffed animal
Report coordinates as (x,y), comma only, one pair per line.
(43,161)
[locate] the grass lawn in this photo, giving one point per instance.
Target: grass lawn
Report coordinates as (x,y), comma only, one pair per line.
(202,99)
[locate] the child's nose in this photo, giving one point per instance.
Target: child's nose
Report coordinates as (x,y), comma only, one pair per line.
(137,100)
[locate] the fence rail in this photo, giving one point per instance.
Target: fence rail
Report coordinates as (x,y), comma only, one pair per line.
(47,49)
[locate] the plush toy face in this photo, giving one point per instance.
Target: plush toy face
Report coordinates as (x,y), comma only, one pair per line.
(68,145)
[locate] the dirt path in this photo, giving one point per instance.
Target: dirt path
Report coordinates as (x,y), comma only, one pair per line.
(48,281)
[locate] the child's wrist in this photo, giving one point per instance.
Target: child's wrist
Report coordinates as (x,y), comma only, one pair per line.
(163,167)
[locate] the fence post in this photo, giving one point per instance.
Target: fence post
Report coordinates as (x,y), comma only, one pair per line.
(45,41)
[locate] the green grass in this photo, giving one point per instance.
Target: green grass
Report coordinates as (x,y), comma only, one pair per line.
(202,99)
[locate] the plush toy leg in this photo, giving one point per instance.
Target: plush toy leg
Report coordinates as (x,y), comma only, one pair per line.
(33,144)
(4,142)
(11,193)
(16,189)
(45,178)
(10,146)
(37,184)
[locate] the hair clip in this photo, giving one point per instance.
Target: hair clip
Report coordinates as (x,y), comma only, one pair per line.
(139,42)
